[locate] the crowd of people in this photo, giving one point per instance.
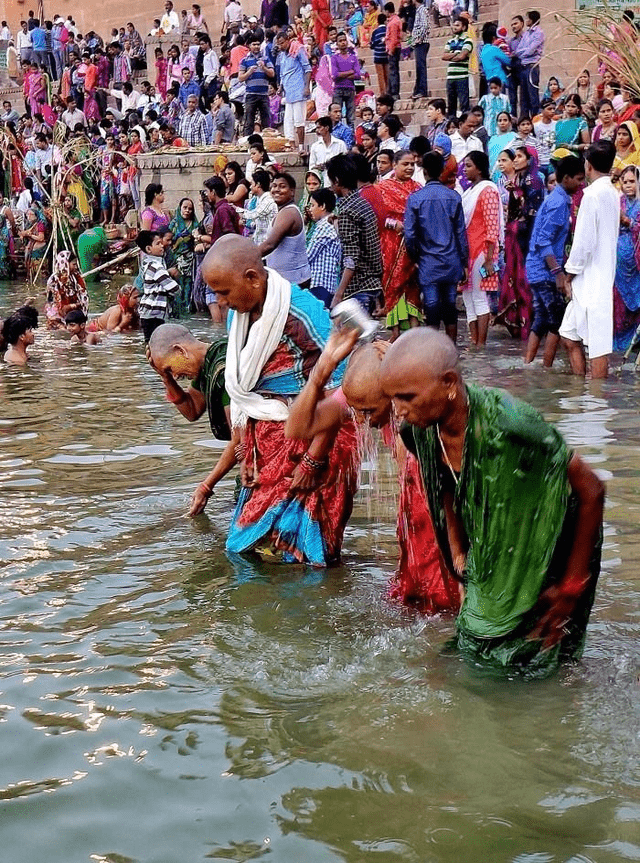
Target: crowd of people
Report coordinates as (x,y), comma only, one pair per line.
(471,199)
(531,215)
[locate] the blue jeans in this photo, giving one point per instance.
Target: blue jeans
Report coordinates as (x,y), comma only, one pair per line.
(347,97)
(420,52)
(393,88)
(530,90)
(457,91)
(439,301)
(369,300)
(548,308)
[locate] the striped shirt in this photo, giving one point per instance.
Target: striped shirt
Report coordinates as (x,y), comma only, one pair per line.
(458,70)
(157,288)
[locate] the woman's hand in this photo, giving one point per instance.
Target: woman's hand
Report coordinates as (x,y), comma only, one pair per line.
(304,481)
(489,268)
(199,499)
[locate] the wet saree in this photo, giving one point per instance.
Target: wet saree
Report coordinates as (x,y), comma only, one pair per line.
(421,579)
(305,528)
(210,382)
(516,550)
(626,290)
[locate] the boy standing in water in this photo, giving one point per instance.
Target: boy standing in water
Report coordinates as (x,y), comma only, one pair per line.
(158,287)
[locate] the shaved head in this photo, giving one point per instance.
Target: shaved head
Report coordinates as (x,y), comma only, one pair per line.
(420,373)
(361,384)
(232,253)
(424,348)
(174,350)
(363,372)
(233,269)
(166,338)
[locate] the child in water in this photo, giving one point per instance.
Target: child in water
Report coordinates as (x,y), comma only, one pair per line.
(158,286)
(76,323)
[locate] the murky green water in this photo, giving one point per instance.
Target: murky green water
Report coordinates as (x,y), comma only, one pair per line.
(161,703)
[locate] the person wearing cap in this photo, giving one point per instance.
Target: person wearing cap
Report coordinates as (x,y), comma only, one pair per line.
(442,145)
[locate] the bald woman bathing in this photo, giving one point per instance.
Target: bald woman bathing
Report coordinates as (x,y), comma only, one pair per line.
(297,495)
(422,579)
(517,516)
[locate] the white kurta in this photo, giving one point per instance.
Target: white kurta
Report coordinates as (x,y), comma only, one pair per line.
(589,315)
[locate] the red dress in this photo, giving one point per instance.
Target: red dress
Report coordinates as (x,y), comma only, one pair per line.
(322,22)
(398,270)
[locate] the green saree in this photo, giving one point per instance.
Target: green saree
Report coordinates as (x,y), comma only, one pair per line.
(513,500)
(210,382)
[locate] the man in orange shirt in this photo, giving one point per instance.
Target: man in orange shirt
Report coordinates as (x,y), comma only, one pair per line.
(393,42)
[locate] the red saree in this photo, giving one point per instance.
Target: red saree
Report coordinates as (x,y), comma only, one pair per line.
(421,579)
(309,528)
(398,270)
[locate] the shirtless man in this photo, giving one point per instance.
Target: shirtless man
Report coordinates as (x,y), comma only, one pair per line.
(17,333)
(518,517)
(421,579)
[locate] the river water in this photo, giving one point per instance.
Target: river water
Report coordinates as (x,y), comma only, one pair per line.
(161,703)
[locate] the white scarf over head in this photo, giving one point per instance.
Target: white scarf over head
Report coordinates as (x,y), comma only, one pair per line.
(248,350)
(470,199)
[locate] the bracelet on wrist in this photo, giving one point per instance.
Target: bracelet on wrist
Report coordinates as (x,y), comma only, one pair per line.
(240,452)
(312,465)
(175,398)
(207,488)
(556,270)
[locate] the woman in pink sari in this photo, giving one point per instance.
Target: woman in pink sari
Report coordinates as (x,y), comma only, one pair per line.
(37,92)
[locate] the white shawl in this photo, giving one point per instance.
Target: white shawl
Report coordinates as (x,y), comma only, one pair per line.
(248,351)
(470,201)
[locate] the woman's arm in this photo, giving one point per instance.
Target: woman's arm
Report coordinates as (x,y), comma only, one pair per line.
(225,463)
(561,599)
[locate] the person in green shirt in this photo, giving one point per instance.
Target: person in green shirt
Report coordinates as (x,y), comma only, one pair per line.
(518,517)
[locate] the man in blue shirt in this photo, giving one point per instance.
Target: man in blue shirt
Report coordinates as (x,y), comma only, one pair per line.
(436,238)
(546,257)
(256,72)
(189,87)
(294,74)
(39,45)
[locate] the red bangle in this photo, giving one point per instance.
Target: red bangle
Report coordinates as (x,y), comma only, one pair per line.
(176,400)
(207,488)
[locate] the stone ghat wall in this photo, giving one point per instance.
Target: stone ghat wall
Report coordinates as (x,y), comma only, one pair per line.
(182,175)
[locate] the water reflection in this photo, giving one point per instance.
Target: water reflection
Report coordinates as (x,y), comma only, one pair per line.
(225,708)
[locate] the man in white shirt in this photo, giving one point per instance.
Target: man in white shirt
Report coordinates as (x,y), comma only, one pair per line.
(591,267)
(169,20)
(47,155)
(463,141)
(210,68)
(325,148)
(9,114)
(24,44)
(73,115)
(128,96)
(5,32)
(232,18)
